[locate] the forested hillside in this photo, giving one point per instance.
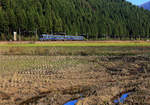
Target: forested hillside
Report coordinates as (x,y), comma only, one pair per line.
(97,18)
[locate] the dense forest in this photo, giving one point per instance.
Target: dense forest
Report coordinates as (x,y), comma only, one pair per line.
(99,19)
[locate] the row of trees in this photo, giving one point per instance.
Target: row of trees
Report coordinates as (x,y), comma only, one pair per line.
(97,18)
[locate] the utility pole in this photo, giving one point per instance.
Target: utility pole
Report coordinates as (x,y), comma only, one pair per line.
(52,31)
(36,34)
(10,3)
(87,36)
(96,36)
(19,35)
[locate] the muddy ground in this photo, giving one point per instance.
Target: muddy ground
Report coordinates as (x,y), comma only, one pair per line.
(94,80)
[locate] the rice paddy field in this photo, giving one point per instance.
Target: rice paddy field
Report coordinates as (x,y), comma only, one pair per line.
(73,43)
(93,73)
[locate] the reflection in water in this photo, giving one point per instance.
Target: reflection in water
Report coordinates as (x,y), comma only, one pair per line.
(122,98)
(71,102)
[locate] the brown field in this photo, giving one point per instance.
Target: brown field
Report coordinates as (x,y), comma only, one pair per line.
(39,79)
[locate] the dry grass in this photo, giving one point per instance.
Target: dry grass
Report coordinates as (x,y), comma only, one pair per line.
(55,75)
(75,51)
(73,43)
(54,80)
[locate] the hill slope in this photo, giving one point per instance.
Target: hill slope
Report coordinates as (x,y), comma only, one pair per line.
(98,18)
(146,5)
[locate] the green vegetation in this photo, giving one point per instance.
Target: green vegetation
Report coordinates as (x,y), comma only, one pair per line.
(76,44)
(100,19)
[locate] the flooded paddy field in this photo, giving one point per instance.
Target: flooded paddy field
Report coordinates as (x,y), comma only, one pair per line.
(101,78)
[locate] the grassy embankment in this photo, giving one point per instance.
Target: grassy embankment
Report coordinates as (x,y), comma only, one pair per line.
(75,48)
(75,44)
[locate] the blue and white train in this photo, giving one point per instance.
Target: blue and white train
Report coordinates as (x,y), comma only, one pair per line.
(46,37)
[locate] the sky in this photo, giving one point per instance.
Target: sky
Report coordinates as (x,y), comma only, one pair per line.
(138,2)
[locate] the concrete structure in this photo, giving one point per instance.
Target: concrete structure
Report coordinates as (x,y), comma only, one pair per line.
(15,36)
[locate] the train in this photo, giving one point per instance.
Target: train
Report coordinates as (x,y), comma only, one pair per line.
(46,37)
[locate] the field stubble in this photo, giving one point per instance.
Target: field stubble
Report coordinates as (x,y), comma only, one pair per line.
(53,80)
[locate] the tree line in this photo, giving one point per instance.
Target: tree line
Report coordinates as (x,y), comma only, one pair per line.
(99,19)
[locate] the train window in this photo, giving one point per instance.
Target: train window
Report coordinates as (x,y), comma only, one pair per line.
(44,36)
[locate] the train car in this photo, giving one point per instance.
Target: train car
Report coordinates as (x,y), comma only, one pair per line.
(46,37)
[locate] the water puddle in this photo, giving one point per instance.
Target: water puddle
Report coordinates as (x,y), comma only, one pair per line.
(122,98)
(116,101)
(71,102)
